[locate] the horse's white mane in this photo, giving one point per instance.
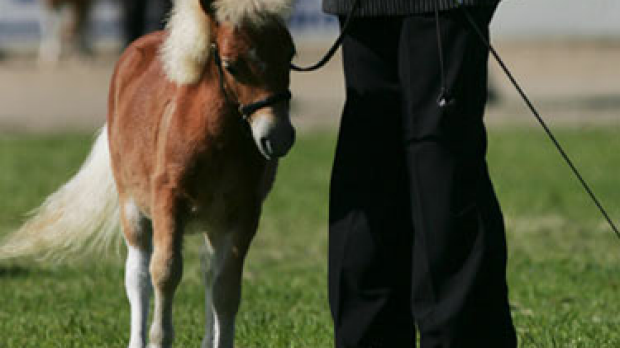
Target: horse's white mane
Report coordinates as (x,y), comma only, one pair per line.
(253,11)
(186,47)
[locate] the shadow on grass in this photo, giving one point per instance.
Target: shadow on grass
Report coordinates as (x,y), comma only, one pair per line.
(14,271)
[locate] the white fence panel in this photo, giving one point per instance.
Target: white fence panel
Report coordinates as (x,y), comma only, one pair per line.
(529,19)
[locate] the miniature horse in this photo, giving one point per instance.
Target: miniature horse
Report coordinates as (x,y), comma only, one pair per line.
(53,30)
(182,157)
(198,116)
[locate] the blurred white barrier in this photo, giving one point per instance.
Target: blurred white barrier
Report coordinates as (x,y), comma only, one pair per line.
(525,19)
(539,19)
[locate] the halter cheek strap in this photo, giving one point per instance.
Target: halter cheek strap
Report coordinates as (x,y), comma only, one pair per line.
(220,71)
(246,110)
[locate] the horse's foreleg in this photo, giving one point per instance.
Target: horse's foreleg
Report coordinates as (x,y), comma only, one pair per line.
(223,285)
(50,24)
(166,265)
(138,234)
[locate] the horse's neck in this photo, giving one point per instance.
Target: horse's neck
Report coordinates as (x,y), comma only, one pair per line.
(208,103)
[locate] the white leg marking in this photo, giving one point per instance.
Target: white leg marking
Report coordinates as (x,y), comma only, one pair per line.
(50,21)
(138,285)
(137,276)
(207,341)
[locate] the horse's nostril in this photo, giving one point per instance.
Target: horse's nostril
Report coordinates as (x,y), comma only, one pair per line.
(266,143)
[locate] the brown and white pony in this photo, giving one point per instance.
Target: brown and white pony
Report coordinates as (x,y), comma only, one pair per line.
(55,32)
(198,115)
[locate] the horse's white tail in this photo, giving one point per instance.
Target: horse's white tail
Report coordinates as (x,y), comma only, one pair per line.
(80,216)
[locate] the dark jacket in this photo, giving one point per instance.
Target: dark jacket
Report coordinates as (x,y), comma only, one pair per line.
(374,8)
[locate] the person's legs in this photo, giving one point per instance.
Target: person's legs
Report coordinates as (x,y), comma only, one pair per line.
(144,16)
(459,296)
(157,15)
(134,19)
(162,12)
(81,28)
(370,229)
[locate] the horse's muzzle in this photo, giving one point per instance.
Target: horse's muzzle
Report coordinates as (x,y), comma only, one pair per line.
(274,136)
(276,148)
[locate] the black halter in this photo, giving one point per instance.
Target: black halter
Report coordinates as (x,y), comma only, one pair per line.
(246,110)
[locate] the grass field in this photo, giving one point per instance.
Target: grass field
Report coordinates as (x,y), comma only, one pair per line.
(563,270)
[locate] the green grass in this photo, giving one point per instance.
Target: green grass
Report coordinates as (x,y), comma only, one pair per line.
(562,270)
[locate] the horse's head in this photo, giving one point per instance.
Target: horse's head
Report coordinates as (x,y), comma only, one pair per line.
(253,56)
(250,49)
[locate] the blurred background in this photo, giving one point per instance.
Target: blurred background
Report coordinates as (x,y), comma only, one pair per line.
(565,52)
(564,260)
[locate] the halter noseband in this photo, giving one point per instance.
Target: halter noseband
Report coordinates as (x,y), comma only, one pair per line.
(246,110)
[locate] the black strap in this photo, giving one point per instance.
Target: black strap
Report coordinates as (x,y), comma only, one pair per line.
(220,70)
(332,50)
(445,99)
(249,109)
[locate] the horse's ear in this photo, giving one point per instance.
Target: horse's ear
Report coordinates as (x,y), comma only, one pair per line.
(207,6)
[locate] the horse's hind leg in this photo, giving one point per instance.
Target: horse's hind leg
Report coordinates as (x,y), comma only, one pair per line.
(138,234)
(166,264)
(223,271)
(82,16)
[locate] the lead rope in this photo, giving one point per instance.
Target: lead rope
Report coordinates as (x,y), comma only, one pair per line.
(332,50)
(444,99)
(541,121)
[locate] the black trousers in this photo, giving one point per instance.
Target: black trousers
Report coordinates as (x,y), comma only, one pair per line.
(416,233)
(143,16)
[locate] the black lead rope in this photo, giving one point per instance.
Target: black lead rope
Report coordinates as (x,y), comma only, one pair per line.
(541,121)
(445,99)
(332,50)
